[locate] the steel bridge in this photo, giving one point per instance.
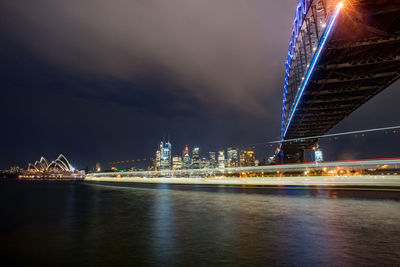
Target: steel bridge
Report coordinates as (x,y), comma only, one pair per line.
(341,54)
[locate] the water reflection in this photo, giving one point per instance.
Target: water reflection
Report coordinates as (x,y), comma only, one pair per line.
(162,225)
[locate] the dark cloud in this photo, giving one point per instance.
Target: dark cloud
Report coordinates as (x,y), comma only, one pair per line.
(222,53)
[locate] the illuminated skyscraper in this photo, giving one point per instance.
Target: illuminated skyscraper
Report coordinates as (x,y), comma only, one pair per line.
(177,163)
(243,158)
(247,158)
(221,159)
(165,150)
(186,158)
(232,157)
(251,160)
(204,163)
(196,158)
(213,160)
(158,160)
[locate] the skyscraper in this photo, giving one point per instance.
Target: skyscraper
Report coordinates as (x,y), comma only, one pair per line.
(232,157)
(247,158)
(196,158)
(250,159)
(177,163)
(221,159)
(165,151)
(158,160)
(186,158)
(213,160)
(204,163)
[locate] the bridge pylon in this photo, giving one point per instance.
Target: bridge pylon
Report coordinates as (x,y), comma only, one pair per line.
(291,155)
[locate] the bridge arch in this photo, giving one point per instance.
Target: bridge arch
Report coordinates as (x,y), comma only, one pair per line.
(341,54)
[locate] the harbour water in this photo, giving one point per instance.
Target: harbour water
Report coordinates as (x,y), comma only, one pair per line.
(65,223)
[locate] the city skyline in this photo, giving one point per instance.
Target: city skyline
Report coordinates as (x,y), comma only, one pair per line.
(353,138)
(235,157)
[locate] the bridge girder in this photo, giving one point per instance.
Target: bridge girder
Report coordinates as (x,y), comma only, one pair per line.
(360,59)
(362,62)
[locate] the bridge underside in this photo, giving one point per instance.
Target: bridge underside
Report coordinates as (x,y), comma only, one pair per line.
(360,59)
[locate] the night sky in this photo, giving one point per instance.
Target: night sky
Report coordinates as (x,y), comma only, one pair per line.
(102,81)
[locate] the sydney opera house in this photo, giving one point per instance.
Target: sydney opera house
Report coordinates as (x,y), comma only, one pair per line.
(59,168)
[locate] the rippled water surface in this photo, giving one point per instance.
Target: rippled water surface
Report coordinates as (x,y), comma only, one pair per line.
(64,223)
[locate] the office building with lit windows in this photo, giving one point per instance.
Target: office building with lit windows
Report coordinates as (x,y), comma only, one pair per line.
(165,155)
(232,157)
(196,158)
(212,159)
(177,163)
(221,159)
(204,163)
(247,158)
(186,160)
(157,160)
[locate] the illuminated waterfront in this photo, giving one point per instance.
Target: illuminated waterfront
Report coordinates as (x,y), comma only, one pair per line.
(83,223)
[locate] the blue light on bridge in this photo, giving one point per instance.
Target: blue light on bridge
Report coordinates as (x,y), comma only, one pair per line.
(301,12)
(309,72)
